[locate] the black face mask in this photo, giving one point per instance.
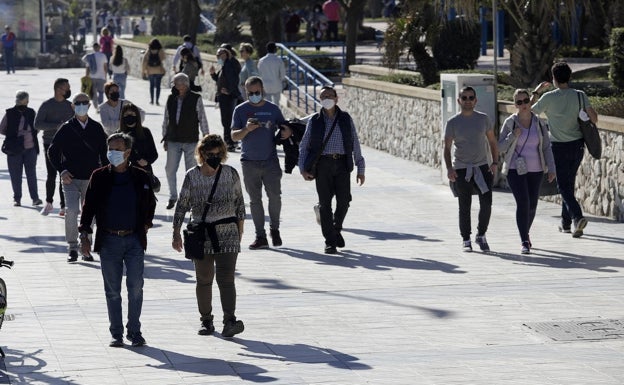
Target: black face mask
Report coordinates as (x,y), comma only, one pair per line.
(130,120)
(175,92)
(67,94)
(114,96)
(213,161)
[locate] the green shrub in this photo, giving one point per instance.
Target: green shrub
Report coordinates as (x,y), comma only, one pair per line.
(610,106)
(616,72)
(414,80)
(458,45)
(568,51)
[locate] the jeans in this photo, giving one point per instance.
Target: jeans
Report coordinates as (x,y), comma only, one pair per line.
(120,80)
(98,88)
(332,179)
(568,157)
(525,189)
(26,161)
(332,31)
(227,104)
(51,179)
(154,81)
(74,197)
(464,197)
(257,173)
(174,154)
(205,272)
(116,252)
(9,59)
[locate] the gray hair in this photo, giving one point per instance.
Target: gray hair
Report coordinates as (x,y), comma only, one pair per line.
(80,95)
(127,139)
(181,78)
(20,96)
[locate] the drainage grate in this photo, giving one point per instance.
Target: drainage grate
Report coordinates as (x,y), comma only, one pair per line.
(580,330)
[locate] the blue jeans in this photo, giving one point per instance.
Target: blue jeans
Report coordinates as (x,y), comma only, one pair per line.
(9,59)
(115,252)
(74,198)
(154,81)
(26,161)
(525,189)
(464,197)
(120,80)
(568,157)
(257,173)
(174,154)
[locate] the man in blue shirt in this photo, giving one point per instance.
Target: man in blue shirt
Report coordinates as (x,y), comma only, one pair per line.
(8,45)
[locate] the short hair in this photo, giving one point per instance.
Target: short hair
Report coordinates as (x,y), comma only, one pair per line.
(246,47)
(467,89)
(271,47)
(210,142)
(80,95)
(328,87)
(20,95)
(186,38)
(561,72)
(105,31)
(181,78)
(59,82)
(127,139)
(519,91)
(96,45)
(254,80)
(108,86)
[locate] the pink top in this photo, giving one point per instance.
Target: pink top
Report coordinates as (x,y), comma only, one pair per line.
(331,9)
(527,146)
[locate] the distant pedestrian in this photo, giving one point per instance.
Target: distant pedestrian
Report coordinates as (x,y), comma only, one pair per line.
(331,141)
(177,58)
(228,93)
(8,47)
(273,74)
(97,70)
(331,9)
(248,68)
(106,46)
(142,26)
(292,25)
(22,147)
(120,67)
(153,68)
(467,133)
(190,67)
(122,202)
(319,23)
(50,117)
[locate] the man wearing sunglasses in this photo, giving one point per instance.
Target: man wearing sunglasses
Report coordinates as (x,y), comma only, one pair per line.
(78,148)
(468,168)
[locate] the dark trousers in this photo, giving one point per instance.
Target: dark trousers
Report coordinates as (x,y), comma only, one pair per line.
(227,103)
(464,197)
(9,59)
(154,81)
(224,265)
(51,179)
(332,180)
(568,157)
(525,189)
(26,161)
(332,31)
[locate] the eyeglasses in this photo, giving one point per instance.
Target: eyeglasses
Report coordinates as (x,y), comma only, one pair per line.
(81,102)
(523,101)
(254,93)
(464,98)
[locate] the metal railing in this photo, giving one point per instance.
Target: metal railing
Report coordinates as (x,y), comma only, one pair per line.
(304,81)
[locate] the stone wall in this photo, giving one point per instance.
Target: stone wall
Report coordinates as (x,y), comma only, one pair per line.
(406,121)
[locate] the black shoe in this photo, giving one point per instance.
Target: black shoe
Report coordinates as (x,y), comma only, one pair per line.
(73,256)
(87,257)
(17,203)
(259,243)
(579,225)
(339,240)
(231,148)
(171,204)
(37,202)
(206,328)
(231,328)
(275,237)
(330,249)
(116,342)
(136,339)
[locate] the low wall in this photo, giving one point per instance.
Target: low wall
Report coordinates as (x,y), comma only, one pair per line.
(405,121)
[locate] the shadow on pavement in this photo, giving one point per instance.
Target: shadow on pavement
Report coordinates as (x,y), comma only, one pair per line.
(563,260)
(389,236)
(27,368)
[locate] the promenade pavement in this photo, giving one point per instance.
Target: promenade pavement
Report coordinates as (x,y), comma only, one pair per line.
(401,304)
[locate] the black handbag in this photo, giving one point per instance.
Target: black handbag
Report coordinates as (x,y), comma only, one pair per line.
(13,145)
(155,182)
(548,188)
(195,234)
(591,136)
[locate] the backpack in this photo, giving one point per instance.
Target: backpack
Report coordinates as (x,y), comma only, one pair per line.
(153,60)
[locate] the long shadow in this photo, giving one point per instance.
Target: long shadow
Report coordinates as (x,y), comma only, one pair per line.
(26,368)
(390,236)
(204,366)
(603,238)
(168,268)
(47,243)
(563,260)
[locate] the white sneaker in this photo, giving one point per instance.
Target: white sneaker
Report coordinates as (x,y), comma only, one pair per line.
(317,213)
(46,209)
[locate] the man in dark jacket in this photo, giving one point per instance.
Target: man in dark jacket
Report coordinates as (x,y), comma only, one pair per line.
(121,199)
(78,148)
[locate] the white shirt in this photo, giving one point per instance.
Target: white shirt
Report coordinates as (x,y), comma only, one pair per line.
(272,72)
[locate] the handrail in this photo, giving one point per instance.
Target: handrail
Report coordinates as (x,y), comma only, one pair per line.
(303,80)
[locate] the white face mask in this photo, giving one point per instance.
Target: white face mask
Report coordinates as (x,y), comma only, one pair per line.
(328,104)
(82,110)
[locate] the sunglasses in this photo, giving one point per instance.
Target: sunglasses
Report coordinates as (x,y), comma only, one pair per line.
(523,101)
(81,103)
(464,98)
(254,93)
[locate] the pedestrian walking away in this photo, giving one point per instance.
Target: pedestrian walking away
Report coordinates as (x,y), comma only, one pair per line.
(51,115)
(255,124)
(21,147)
(97,70)
(469,169)
(120,198)
(120,67)
(273,73)
(328,151)
(561,107)
(78,148)
(527,155)
(9,45)
(212,193)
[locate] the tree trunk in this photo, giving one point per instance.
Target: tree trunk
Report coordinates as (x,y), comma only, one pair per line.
(189,17)
(354,13)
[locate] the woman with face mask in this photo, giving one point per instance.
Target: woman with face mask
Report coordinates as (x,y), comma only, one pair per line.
(212,193)
(21,147)
(110,110)
(144,152)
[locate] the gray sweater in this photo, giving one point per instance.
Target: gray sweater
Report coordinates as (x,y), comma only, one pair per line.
(51,116)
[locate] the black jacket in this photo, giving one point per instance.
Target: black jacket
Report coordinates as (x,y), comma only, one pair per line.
(14,115)
(291,145)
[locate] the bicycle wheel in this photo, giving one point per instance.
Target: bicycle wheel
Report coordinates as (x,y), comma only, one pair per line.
(3,293)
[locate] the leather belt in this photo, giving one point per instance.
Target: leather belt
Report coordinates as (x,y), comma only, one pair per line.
(119,233)
(333,156)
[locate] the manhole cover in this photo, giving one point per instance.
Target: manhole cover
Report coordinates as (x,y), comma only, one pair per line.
(579,330)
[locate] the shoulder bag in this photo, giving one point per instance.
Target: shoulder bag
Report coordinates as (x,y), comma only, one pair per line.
(591,136)
(313,169)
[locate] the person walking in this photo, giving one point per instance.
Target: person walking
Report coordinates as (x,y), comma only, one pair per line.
(153,68)
(190,67)
(319,23)
(110,110)
(466,133)
(106,46)
(97,70)
(51,115)
(184,118)
(212,193)
(187,43)
(331,141)
(8,40)
(144,152)
(120,67)
(331,9)
(22,147)
(122,202)
(562,107)
(528,155)
(228,93)
(78,148)
(248,68)
(273,73)
(255,123)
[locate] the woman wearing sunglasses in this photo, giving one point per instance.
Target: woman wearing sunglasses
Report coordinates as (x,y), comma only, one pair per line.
(527,156)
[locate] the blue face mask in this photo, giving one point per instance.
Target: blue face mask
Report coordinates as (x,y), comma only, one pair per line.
(115,157)
(82,110)
(220,62)
(255,99)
